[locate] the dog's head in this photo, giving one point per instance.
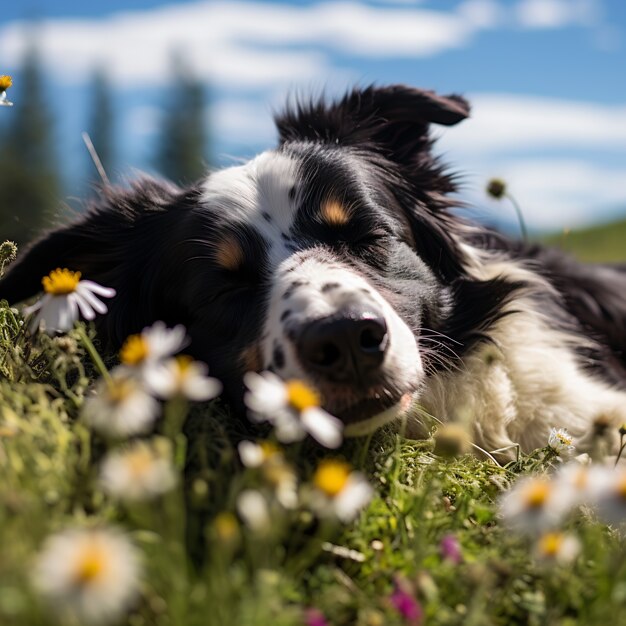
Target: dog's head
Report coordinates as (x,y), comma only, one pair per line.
(330,259)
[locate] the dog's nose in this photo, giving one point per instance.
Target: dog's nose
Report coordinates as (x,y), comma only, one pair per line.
(347,348)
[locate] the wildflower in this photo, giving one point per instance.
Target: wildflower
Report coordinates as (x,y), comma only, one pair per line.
(450,549)
(534,504)
(269,459)
(139,472)
(406,604)
(314,617)
(183,377)
(226,528)
(339,490)
(292,407)
(611,496)
(8,253)
(253,509)
(579,481)
(496,188)
(557,547)
(5,83)
(67,297)
(92,575)
(153,344)
(561,441)
(451,441)
(122,406)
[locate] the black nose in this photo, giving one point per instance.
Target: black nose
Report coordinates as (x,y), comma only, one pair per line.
(347,348)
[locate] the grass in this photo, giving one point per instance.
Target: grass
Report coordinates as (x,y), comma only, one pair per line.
(603,243)
(205,564)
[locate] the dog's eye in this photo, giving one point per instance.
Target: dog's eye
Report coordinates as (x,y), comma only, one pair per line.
(370,238)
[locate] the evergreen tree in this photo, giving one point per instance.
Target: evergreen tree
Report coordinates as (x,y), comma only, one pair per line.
(29,180)
(101,127)
(181,153)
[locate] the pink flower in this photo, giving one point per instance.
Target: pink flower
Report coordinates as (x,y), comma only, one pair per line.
(407,606)
(314,617)
(450,549)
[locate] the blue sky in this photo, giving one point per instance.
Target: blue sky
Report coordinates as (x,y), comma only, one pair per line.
(546,79)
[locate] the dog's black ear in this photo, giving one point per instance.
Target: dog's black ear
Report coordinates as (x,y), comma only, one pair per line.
(393,119)
(112,243)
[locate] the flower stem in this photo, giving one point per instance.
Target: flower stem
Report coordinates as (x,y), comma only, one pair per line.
(520,216)
(93,353)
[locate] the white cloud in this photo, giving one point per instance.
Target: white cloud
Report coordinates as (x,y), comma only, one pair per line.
(243,122)
(249,44)
(556,193)
(512,123)
(556,13)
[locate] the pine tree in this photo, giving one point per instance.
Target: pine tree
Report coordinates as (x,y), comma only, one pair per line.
(101,127)
(29,180)
(181,153)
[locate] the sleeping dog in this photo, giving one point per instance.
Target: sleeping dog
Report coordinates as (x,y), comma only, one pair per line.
(336,258)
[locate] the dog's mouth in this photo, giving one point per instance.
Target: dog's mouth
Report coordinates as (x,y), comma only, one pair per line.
(369,414)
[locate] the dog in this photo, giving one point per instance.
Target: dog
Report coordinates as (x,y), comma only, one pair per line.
(339,258)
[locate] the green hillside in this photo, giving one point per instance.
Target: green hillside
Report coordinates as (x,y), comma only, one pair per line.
(598,243)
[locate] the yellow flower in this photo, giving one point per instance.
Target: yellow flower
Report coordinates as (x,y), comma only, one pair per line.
(300,396)
(134,350)
(61,281)
(5,82)
(331,477)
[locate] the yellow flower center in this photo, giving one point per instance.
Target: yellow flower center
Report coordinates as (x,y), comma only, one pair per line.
(120,389)
(135,350)
(60,282)
(91,564)
(183,363)
(301,396)
(139,461)
(536,494)
(226,526)
(564,439)
(621,486)
(550,544)
(5,82)
(331,477)
(269,449)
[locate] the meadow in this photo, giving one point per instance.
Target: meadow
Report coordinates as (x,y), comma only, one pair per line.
(181,522)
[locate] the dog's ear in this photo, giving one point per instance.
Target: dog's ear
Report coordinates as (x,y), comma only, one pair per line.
(112,244)
(393,119)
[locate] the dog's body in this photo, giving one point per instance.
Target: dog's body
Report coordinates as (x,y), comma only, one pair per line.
(335,259)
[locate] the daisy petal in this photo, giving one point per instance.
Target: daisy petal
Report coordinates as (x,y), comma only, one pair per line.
(323,427)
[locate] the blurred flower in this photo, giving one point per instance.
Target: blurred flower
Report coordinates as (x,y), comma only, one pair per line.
(534,504)
(451,441)
(153,344)
(122,406)
(226,528)
(139,472)
(450,549)
(339,490)
(183,377)
(8,253)
(580,481)
(561,441)
(92,575)
(253,509)
(5,83)
(496,188)
(279,474)
(557,547)
(610,492)
(406,604)
(314,617)
(292,407)
(66,298)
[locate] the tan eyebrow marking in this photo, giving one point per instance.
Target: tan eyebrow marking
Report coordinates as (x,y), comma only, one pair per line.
(229,253)
(334,213)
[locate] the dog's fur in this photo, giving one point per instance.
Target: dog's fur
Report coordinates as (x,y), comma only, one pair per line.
(346,230)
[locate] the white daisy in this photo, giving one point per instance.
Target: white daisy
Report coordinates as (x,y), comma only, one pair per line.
(66,298)
(557,547)
(153,344)
(122,406)
(90,576)
(181,376)
(610,494)
(561,441)
(339,491)
(535,504)
(292,407)
(277,472)
(139,472)
(253,510)
(5,83)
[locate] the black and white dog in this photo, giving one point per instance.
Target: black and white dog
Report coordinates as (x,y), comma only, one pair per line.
(335,258)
